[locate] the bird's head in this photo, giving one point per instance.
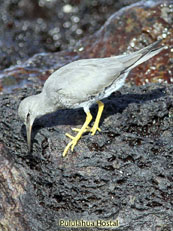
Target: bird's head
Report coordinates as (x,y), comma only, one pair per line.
(28,111)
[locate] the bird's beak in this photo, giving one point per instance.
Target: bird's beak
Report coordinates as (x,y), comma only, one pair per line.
(28,133)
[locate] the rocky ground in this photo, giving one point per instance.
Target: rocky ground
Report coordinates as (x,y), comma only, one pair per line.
(125,171)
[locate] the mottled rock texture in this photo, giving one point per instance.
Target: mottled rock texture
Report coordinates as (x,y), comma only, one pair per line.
(124,172)
(30,27)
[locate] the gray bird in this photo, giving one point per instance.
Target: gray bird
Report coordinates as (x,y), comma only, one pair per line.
(81,84)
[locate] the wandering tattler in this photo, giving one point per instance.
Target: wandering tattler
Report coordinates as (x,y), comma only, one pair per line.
(81,84)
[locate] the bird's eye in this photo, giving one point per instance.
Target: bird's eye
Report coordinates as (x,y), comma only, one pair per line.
(28,115)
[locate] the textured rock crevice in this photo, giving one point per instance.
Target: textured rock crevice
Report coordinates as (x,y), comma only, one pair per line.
(124,172)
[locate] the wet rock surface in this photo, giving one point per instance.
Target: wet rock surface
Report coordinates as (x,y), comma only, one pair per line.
(127,30)
(30,27)
(124,172)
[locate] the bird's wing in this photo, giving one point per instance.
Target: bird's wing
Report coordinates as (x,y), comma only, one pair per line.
(82,79)
(88,77)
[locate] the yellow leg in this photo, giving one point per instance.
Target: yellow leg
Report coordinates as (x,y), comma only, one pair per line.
(96,123)
(79,134)
(97,120)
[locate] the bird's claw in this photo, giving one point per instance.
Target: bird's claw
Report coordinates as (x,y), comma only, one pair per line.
(71,144)
(69,136)
(79,134)
(94,129)
(88,129)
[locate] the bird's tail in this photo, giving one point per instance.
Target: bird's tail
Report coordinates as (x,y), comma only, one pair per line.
(141,56)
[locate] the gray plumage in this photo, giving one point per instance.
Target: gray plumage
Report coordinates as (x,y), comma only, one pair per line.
(82,83)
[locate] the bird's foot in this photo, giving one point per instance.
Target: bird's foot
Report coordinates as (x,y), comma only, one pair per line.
(89,129)
(75,139)
(94,129)
(71,144)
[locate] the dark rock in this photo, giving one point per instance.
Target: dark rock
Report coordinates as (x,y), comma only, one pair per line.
(124,172)
(127,30)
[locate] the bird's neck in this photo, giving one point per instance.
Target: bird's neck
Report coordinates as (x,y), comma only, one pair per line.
(43,105)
